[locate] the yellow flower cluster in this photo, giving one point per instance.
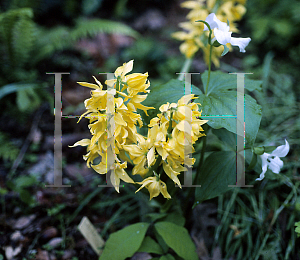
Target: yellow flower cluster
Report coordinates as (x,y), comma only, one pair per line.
(125,119)
(193,35)
(177,126)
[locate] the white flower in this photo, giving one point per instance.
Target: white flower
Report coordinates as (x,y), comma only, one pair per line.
(222,33)
(272,160)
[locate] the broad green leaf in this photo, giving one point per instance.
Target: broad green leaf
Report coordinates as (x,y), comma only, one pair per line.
(220,81)
(161,241)
(228,139)
(150,246)
(176,218)
(178,239)
(155,216)
(124,243)
(229,144)
(218,171)
(167,257)
(170,92)
(220,109)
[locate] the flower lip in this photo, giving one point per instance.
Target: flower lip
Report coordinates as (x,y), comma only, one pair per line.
(272,160)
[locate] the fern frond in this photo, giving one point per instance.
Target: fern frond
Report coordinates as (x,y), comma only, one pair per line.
(51,40)
(8,151)
(23,39)
(59,38)
(92,27)
(8,21)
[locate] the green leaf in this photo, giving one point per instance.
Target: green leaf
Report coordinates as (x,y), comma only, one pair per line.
(161,242)
(25,181)
(170,92)
(150,246)
(220,81)
(167,257)
(228,139)
(253,162)
(176,218)
(14,87)
(219,104)
(26,197)
(124,243)
(27,99)
(178,239)
(215,177)
(220,109)
(155,216)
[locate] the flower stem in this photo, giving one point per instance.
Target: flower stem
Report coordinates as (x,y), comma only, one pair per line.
(153,168)
(209,69)
(210,51)
(185,68)
(170,124)
(192,189)
(205,128)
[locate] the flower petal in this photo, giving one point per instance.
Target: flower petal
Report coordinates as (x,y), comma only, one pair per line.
(275,165)
(163,190)
(89,85)
(151,156)
(171,173)
(222,37)
(214,22)
(121,174)
(282,150)
(240,42)
(83,142)
(262,175)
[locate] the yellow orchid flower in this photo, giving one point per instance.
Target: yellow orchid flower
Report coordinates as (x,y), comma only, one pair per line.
(117,174)
(172,173)
(155,187)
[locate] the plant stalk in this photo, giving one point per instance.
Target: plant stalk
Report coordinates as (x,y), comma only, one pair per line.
(185,68)
(209,69)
